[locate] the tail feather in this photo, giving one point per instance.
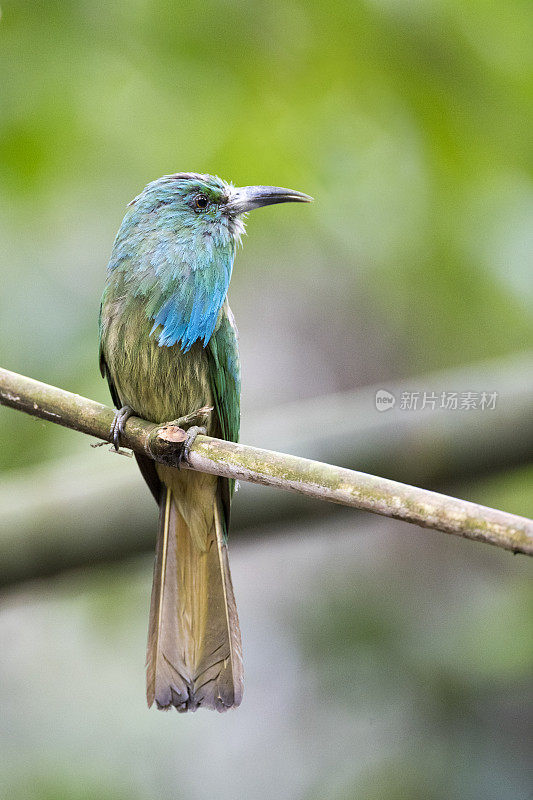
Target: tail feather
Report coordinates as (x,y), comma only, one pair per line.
(194,655)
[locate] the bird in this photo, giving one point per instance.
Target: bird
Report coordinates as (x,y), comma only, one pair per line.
(169,351)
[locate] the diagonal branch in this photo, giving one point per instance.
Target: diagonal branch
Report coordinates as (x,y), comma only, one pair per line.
(312,478)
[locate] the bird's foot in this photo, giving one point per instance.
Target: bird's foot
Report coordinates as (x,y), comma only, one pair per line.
(182,432)
(117,428)
(201,415)
(192,433)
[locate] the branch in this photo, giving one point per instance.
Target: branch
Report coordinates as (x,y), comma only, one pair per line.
(311,478)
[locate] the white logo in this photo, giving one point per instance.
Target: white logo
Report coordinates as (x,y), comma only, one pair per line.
(384,400)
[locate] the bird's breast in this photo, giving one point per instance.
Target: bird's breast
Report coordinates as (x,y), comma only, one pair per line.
(160,383)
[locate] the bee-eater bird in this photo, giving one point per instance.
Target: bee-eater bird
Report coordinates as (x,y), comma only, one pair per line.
(168,347)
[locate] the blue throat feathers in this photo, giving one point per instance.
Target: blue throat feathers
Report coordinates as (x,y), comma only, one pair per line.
(191,311)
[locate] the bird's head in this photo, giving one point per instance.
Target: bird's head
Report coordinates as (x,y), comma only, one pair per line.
(204,205)
(176,245)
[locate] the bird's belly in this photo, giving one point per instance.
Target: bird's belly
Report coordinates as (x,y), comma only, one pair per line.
(159,383)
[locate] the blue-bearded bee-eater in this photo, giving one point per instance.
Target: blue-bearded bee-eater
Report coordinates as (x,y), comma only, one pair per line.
(168,346)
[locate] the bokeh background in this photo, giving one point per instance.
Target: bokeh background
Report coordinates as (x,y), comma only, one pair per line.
(382,661)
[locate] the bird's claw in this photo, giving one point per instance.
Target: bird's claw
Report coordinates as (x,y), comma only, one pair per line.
(117,428)
(185,449)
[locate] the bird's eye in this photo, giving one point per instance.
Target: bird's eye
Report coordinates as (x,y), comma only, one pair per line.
(201,202)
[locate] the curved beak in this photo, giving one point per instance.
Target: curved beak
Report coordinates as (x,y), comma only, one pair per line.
(246,198)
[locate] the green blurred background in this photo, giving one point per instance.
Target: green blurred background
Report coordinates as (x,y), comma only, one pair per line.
(381,661)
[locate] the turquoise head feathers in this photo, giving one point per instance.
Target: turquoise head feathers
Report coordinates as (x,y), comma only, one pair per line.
(176,246)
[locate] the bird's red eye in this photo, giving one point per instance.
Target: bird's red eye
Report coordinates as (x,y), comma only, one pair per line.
(201,202)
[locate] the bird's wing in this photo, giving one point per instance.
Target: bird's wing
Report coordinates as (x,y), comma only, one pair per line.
(145,464)
(104,369)
(225,376)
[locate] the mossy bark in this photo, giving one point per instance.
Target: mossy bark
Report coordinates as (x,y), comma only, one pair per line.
(315,479)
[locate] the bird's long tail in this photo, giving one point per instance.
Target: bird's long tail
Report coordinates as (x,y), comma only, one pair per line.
(194,653)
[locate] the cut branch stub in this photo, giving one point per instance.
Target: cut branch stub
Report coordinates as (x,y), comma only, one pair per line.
(171,433)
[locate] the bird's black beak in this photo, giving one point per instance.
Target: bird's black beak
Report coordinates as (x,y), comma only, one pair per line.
(246,198)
